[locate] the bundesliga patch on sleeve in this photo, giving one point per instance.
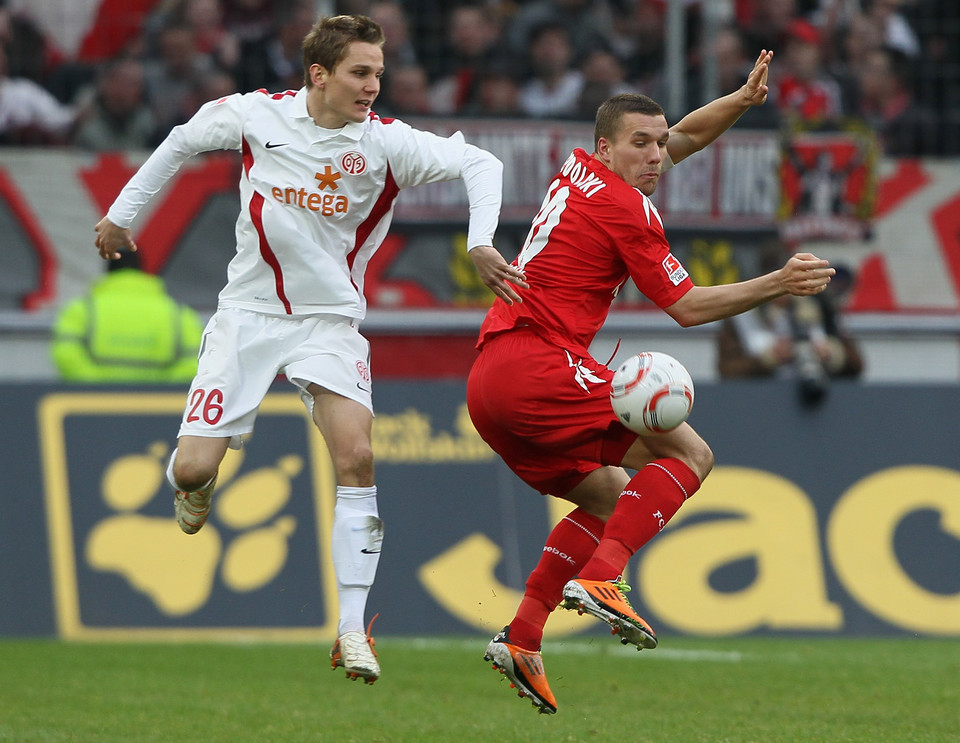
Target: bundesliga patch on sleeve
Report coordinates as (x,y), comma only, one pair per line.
(674,270)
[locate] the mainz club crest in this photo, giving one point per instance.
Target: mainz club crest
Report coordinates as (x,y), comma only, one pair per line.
(364,371)
(353,163)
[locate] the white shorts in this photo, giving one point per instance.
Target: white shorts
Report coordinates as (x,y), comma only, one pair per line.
(242,352)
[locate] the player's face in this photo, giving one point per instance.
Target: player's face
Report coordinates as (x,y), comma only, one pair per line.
(347,93)
(637,151)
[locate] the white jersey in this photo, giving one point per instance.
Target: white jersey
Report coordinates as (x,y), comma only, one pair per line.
(315,204)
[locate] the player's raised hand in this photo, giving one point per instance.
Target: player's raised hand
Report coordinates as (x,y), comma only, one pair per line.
(111,239)
(497,274)
(805,274)
(755,89)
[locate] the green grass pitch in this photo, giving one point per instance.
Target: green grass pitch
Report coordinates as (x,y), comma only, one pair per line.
(763,690)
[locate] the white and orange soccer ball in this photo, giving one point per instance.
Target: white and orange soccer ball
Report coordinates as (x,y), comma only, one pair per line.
(651,393)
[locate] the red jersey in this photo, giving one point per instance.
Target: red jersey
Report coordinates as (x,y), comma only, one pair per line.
(592,233)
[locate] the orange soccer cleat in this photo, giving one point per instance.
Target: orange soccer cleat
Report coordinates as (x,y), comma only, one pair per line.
(605,600)
(524,668)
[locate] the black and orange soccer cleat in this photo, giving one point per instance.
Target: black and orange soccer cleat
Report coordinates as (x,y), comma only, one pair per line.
(605,600)
(524,669)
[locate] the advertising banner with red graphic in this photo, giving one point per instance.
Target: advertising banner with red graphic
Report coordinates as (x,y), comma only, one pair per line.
(893,222)
(87,30)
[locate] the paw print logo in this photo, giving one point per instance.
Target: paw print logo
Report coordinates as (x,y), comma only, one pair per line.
(245,543)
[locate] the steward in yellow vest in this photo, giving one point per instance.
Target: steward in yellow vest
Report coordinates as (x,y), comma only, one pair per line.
(127,329)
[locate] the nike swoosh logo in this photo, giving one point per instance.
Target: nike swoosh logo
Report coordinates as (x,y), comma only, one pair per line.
(370,552)
(362,388)
(271,145)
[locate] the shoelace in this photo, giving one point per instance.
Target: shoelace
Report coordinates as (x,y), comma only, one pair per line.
(621,585)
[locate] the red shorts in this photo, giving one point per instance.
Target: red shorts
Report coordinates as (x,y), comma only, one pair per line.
(545,411)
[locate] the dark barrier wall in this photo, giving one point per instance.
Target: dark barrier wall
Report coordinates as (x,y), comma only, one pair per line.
(840,520)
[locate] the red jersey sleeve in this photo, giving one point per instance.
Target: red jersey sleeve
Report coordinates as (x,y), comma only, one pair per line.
(636,228)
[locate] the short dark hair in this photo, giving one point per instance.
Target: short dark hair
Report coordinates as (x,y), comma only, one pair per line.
(327,42)
(612,111)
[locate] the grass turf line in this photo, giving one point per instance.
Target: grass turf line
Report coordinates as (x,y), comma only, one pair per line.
(741,690)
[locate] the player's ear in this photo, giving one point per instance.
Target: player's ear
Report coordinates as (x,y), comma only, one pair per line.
(603,147)
(318,75)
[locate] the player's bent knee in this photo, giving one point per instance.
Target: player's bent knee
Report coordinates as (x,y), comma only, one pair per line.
(354,467)
(701,459)
(192,474)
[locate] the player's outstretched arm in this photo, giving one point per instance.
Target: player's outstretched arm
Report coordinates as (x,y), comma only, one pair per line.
(111,239)
(218,125)
(803,274)
(497,274)
(699,128)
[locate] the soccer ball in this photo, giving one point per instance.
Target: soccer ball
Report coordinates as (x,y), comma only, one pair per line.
(651,393)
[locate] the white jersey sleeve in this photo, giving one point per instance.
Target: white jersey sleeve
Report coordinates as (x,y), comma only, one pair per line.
(217,125)
(419,157)
(667,162)
(483,175)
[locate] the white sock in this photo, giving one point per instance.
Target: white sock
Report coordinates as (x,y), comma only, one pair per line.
(170,471)
(355,546)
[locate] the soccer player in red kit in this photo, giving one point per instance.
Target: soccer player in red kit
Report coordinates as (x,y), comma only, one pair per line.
(541,401)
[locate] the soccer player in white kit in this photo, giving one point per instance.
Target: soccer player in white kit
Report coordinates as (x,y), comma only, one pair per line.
(320,175)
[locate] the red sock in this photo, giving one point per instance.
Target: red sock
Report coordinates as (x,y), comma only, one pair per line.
(568,547)
(648,502)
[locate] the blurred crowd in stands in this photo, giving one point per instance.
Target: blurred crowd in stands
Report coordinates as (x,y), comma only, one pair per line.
(892,65)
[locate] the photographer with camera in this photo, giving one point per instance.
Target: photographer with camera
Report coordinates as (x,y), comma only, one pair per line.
(798,338)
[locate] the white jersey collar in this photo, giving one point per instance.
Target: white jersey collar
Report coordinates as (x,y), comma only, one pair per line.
(351,130)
